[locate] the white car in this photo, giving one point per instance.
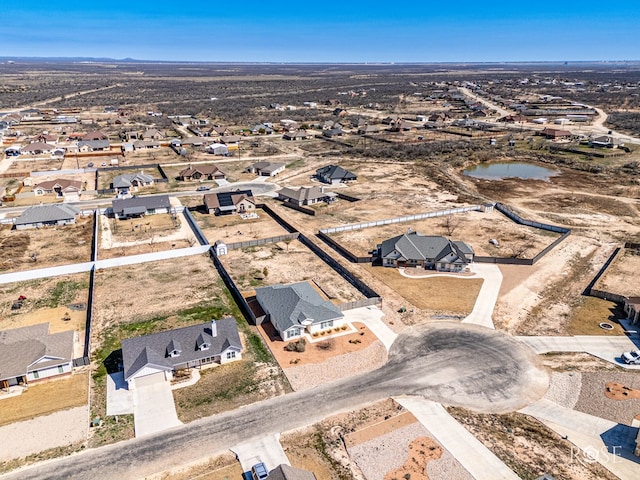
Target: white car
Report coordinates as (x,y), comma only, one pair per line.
(632,357)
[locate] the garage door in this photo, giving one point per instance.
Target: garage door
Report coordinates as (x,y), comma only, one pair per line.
(150,379)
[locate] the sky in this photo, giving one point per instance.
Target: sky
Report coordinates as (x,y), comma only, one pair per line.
(330,31)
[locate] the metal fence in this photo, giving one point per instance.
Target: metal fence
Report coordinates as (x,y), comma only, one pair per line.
(262,241)
(518,219)
(408,218)
(235,293)
(199,234)
(367,302)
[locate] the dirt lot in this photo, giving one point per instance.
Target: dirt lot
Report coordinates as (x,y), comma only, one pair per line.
(223,467)
(620,277)
(286,263)
(140,292)
(232,228)
(46,397)
(474,228)
(45,247)
(106,176)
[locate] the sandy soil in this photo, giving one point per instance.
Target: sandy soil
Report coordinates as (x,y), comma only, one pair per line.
(222,467)
(620,277)
(286,264)
(232,228)
(594,400)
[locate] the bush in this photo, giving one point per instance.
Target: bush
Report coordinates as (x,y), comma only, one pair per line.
(298,346)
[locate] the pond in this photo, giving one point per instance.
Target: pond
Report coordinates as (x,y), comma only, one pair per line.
(502,170)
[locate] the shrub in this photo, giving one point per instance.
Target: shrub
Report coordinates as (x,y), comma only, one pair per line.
(298,346)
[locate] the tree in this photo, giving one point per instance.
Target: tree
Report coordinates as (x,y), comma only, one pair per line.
(450,224)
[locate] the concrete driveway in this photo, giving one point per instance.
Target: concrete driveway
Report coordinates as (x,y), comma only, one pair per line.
(609,443)
(153,407)
(488,296)
(119,398)
(477,459)
(266,450)
(372,317)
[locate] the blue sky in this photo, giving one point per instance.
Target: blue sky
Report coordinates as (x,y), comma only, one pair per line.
(330,31)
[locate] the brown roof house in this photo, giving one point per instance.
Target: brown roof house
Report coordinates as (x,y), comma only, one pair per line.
(266,169)
(226,203)
(555,133)
(60,186)
(97,135)
(30,353)
(306,195)
(201,172)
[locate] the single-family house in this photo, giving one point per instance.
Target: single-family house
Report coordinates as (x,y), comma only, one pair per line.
(201,172)
(217,149)
(334,174)
(158,356)
(133,207)
(131,182)
(189,142)
(606,141)
(306,195)
(429,252)
(46,215)
(46,138)
(60,186)
(333,132)
(297,309)
(145,144)
(93,145)
(555,133)
(219,130)
(225,203)
(37,148)
(295,135)
(152,134)
(31,353)
(266,169)
(368,129)
(231,141)
(287,472)
(262,129)
(97,135)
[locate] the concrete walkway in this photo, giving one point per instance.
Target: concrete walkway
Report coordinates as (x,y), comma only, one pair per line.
(596,439)
(469,451)
(608,348)
(372,318)
(266,450)
(153,408)
(488,296)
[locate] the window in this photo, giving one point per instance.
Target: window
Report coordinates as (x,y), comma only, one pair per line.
(295,332)
(231,355)
(60,369)
(36,374)
(325,325)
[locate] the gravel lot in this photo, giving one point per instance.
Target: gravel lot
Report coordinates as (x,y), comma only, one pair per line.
(389,451)
(335,368)
(564,388)
(593,401)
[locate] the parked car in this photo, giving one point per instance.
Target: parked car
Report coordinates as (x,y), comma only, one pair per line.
(259,471)
(202,189)
(90,164)
(632,357)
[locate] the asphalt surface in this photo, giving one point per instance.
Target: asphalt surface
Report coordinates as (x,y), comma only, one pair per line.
(464,365)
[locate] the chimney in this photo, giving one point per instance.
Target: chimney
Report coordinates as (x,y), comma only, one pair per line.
(214,328)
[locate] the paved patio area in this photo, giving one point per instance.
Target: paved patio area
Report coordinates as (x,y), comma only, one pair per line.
(119,398)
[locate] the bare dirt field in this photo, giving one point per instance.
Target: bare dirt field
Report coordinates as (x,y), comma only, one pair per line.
(222,467)
(286,263)
(474,228)
(232,228)
(620,276)
(138,292)
(45,247)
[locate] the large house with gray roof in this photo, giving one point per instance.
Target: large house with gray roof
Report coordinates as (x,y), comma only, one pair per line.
(429,252)
(29,354)
(46,215)
(335,174)
(306,195)
(130,182)
(157,356)
(297,309)
(133,207)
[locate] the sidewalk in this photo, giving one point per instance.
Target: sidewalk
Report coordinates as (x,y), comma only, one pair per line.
(477,459)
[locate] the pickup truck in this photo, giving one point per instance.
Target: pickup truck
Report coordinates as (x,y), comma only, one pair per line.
(632,357)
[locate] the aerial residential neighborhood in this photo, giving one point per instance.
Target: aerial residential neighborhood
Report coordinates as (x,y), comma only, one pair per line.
(371,272)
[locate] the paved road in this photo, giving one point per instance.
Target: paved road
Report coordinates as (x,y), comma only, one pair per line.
(445,362)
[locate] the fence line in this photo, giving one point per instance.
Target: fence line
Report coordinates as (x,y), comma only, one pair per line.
(360,303)
(151,257)
(408,218)
(89,318)
(550,247)
(342,250)
(230,284)
(503,260)
(199,234)
(293,206)
(518,219)
(262,241)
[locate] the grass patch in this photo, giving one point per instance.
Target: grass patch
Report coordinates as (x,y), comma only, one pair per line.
(45,398)
(590,312)
(446,294)
(62,293)
(41,456)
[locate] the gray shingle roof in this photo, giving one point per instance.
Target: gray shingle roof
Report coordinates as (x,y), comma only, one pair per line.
(290,305)
(413,246)
(20,348)
(286,472)
(46,214)
(153,350)
(303,193)
(136,204)
(335,172)
(94,144)
(126,180)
